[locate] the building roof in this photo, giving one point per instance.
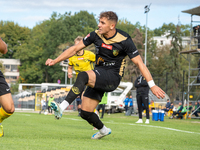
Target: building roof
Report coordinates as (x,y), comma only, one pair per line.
(193,11)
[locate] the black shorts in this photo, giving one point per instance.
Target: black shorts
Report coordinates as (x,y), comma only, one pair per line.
(106,81)
(4,88)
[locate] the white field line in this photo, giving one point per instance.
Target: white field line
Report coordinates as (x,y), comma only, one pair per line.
(132,124)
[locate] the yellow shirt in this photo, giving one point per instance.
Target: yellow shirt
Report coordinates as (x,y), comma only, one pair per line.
(152,105)
(83,62)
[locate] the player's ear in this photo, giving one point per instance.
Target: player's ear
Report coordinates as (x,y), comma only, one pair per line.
(112,26)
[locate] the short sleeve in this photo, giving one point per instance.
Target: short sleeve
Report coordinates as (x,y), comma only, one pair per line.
(130,48)
(89,39)
(70,62)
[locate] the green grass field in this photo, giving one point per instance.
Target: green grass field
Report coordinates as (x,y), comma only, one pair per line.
(31,131)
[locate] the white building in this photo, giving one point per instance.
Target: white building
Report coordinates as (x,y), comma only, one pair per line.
(163,41)
(11,72)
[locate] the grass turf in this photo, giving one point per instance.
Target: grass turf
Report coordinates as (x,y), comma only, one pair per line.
(32,131)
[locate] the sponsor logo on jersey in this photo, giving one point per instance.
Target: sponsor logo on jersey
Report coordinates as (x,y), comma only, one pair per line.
(115,52)
(80,58)
(97,72)
(75,90)
(135,51)
(87,36)
(108,63)
(106,46)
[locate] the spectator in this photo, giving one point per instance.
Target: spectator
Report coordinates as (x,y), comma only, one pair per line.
(196,30)
(171,106)
(196,109)
(130,101)
(142,90)
(102,104)
(126,103)
(151,106)
(185,110)
(130,106)
(178,110)
(43,104)
(166,109)
(190,107)
(51,98)
(170,112)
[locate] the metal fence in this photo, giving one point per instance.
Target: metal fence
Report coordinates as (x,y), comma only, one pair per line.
(33,102)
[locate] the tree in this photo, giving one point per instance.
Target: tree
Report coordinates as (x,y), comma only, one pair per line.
(185,29)
(45,41)
(132,71)
(14,36)
(126,26)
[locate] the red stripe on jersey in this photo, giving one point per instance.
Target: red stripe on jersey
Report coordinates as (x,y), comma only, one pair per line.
(80,58)
(106,46)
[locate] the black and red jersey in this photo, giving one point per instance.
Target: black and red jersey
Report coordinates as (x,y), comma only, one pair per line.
(111,52)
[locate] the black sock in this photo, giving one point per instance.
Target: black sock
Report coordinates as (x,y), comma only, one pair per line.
(78,87)
(92,119)
(79,110)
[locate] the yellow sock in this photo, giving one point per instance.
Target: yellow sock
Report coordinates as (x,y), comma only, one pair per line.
(3,114)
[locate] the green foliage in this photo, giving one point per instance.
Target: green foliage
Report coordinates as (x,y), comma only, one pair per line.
(126,26)
(185,29)
(34,131)
(14,36)
(132,71)
(44,41)
(14,87)
(2,68)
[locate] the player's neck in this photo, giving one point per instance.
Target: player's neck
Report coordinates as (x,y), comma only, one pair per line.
(110,34)
(80,52)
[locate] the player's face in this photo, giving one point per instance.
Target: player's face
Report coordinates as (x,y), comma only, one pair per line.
(104,25)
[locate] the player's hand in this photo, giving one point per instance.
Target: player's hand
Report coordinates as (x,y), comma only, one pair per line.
(50,62)
(158,92)
(70,75)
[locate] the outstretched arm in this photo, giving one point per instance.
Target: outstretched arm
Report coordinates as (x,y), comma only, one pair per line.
(66,54)
(157,91)
(3,47)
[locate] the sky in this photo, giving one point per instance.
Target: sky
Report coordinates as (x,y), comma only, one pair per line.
(28,13)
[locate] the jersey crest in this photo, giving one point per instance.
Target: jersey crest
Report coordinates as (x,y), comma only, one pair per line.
(115,52)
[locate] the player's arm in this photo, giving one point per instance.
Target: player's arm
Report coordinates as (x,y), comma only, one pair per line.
(66,54)
(3,47)
(145,72)
(69,70)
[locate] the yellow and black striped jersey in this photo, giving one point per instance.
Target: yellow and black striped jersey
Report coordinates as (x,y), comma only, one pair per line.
(83,62)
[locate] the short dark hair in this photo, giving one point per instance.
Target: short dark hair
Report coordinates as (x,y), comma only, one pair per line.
(110,15)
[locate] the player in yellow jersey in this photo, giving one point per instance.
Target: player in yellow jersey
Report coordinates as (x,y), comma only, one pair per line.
(83,60)
(6,101)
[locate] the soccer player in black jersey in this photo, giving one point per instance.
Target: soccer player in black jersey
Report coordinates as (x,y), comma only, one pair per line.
(112,46)
(6,101)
